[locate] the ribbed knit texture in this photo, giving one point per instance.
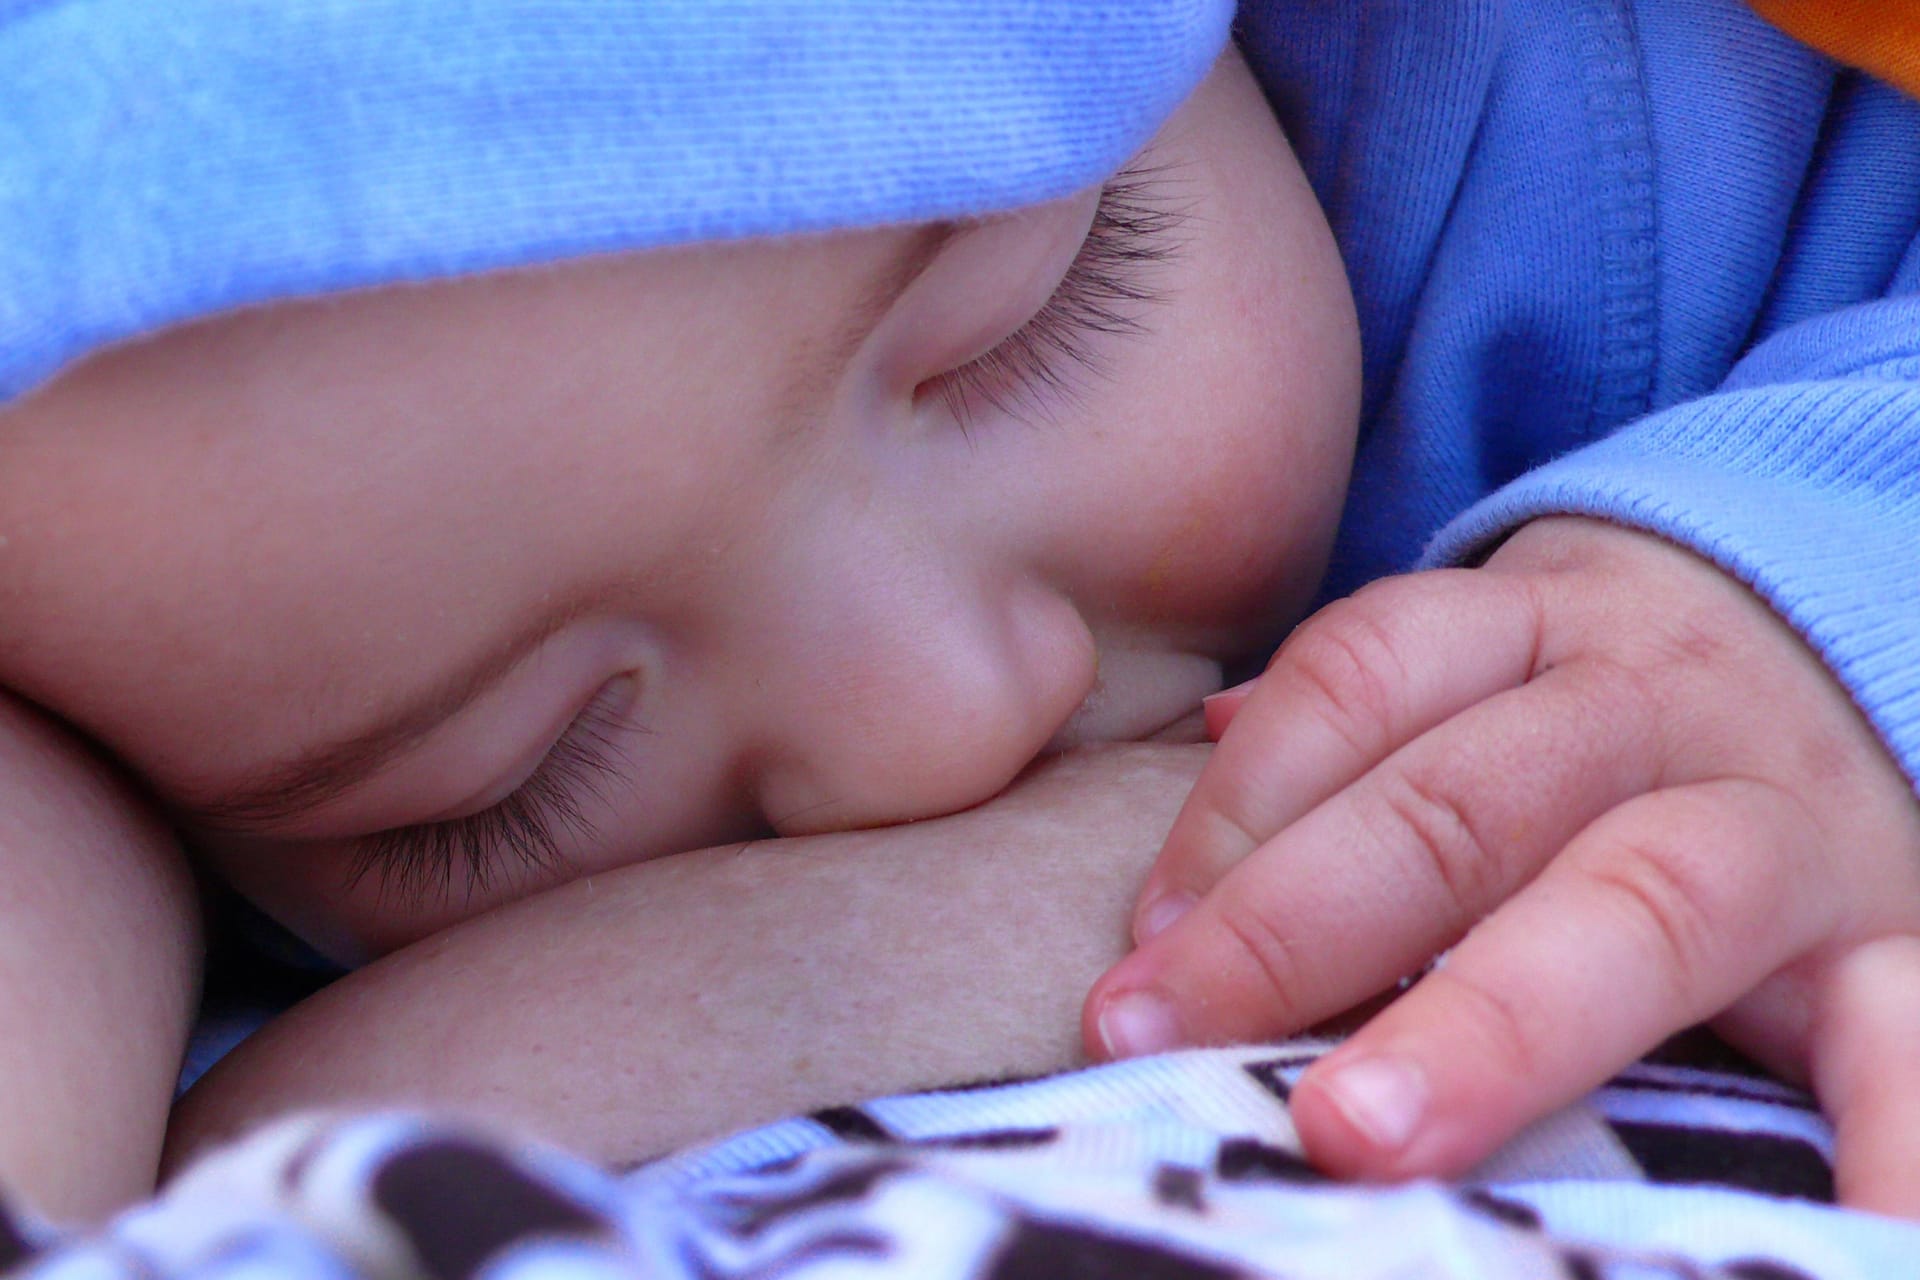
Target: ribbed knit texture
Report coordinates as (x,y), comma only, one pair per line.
(1559,217)
(1653,262)
(160,161)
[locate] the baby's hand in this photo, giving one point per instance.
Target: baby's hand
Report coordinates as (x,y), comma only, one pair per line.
(1625,794)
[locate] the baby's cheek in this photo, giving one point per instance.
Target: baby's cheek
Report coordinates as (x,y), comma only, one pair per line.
(1228,546)
(1170,566)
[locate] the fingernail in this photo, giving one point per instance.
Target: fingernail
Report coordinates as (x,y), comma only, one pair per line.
(1242,687)
(1217,710)
(1382,1098)
(1138,1023)
(1161,914)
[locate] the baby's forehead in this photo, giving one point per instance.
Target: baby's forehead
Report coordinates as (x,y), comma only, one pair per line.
(164,163)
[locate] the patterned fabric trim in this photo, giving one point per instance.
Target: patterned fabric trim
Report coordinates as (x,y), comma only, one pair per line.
(1182,1167)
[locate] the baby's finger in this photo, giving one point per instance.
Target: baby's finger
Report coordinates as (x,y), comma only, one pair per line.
(1218,710)
(1369,885)
(1658,915)
(1355,682)
(1866,1070)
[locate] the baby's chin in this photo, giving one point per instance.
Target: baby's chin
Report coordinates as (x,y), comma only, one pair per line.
(1141,697)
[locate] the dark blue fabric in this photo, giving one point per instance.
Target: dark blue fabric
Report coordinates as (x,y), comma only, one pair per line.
(1652,262)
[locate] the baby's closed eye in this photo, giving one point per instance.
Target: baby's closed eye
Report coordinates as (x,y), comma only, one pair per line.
(520,833)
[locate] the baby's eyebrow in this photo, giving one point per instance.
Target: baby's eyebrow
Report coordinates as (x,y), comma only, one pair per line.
(282,792)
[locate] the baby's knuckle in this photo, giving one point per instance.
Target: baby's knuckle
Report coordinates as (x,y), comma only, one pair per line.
(1237,813)
(1631,696)
(1553,547)
(1347,661)
(1798,833)
(1824,760)
(1266,948)
(1698,642)
(1674,904)
(1507,1032)
(1442,831)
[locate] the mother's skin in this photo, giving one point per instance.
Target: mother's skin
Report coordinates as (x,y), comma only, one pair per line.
(672,1001)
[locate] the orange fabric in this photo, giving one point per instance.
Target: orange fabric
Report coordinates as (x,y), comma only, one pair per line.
(1880,36)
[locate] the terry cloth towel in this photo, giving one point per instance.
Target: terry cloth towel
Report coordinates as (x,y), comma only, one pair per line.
(160,162)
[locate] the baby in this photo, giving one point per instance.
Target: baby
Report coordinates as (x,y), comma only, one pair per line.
(406,603)
(425,614)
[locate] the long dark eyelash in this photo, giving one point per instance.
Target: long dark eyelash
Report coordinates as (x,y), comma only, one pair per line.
(519,832)
(1104,291)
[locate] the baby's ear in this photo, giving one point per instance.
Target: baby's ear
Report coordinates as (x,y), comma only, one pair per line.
(99,972)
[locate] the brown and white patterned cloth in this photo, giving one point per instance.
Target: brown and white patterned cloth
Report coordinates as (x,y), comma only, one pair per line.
(1181,1166)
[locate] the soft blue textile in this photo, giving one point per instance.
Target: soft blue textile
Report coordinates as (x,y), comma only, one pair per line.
(1652,262)
(1658,223)
(160,161)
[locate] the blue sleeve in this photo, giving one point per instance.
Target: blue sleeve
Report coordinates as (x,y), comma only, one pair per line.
(1648,262)
(1799,475)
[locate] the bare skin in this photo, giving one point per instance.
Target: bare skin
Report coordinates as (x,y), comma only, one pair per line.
(99,972)
(789,536)
(397,549)
(672,1001)
(1617,785)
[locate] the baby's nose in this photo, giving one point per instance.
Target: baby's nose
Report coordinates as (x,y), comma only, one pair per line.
(922,707)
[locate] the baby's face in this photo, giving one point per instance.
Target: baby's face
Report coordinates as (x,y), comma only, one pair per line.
(414,601)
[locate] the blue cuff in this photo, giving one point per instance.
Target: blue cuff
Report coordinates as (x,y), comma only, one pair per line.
(1808,492)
